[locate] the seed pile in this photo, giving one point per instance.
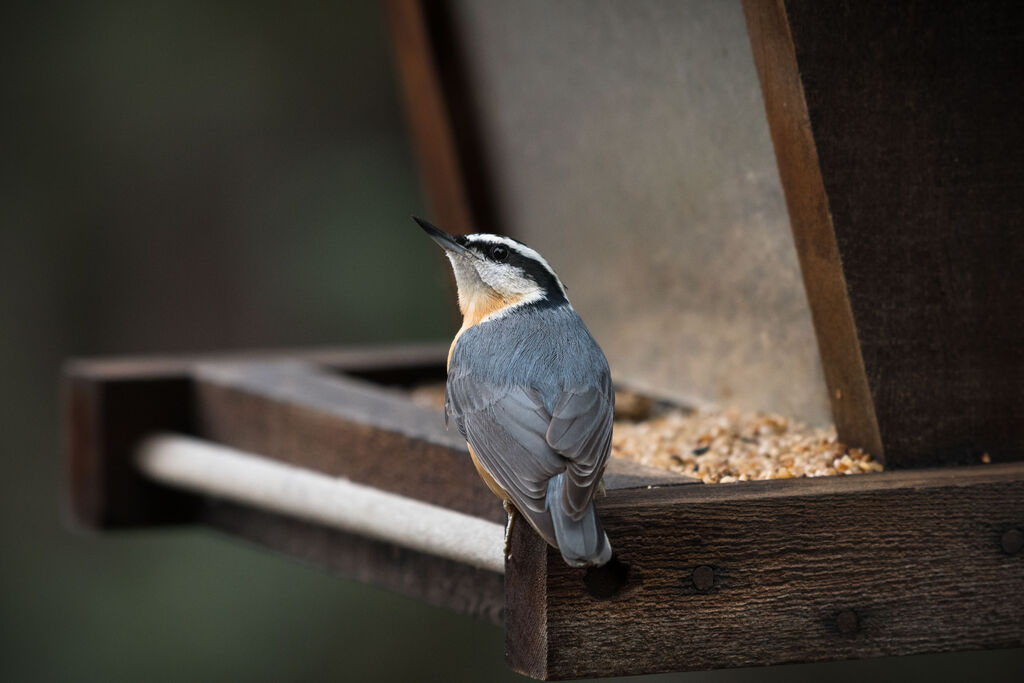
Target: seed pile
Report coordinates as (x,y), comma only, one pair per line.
(720,445)
(716,445)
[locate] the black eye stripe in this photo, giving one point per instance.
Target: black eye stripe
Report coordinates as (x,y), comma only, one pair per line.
(530,266)
(498,253)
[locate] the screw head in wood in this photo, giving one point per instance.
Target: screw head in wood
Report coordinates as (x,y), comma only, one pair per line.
(703,577)
(846,622)
(1012,541)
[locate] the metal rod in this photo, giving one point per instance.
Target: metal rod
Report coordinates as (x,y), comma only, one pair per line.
(223,472)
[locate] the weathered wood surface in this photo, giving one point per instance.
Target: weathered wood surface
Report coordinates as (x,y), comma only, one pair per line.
(291,407)
(107,410)
(901,153)
(299,411)
(705,576)
(110,404)
(440,111)
(395,364)
(293,413)
(782,571)
(345,427)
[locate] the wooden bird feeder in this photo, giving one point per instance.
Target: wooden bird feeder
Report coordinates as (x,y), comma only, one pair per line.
(901,157)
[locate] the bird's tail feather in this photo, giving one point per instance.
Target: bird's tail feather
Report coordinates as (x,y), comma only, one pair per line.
(582,542)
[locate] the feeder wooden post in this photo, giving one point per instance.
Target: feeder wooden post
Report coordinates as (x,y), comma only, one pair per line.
(898,138)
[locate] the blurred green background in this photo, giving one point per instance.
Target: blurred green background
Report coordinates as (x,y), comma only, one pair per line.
(188,176)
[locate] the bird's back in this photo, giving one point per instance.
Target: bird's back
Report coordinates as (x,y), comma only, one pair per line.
(532,394)
(546,348)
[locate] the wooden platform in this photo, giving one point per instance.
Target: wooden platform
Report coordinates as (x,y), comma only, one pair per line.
(705,576)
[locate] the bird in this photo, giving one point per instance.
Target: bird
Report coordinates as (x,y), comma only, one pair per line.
(531,392)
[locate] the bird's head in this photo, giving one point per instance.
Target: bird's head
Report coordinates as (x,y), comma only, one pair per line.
(495,273)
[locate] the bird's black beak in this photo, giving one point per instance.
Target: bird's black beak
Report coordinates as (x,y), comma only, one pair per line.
(443,239)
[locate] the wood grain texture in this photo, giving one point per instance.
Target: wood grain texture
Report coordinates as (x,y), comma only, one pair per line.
(781,571)
(350,428)
(526,603)
(897,135)
(295,407)
(300,411)
(109,405)
(813,234)
(112,404)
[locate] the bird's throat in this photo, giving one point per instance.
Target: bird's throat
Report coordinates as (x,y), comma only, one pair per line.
(478,305)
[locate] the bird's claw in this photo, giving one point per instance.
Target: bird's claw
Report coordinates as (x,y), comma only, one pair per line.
(510,511)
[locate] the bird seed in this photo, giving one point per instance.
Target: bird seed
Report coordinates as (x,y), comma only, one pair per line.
(723,445)
(716,445)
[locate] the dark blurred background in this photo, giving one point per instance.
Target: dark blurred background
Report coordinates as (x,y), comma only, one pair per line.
(189,176)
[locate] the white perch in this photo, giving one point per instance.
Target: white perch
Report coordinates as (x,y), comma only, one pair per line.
(223,472)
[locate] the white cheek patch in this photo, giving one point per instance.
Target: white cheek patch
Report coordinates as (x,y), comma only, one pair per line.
(519,247)
(505,280)
(481,281)
(511,283)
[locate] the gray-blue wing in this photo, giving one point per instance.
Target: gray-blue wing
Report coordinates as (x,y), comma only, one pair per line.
(581,431)
(523,446)
(505,426)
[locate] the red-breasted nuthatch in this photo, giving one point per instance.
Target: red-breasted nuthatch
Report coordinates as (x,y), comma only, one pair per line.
(530,390)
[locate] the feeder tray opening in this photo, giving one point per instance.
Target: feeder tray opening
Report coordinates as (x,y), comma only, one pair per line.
(714,444)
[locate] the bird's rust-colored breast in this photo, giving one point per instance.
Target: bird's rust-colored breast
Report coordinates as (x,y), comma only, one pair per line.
(477,306)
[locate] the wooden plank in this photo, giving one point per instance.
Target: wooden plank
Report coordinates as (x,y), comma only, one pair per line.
(301,413)
(440,110)
(395,364)
(350,428)
(798,570)
(897,135)
(296,414)
(105,415)
(306,415)
(110,404)
(850,396)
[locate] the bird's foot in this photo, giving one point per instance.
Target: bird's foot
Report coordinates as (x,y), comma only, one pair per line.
(510,510)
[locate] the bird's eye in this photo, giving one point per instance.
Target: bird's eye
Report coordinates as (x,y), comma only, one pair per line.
(499,253)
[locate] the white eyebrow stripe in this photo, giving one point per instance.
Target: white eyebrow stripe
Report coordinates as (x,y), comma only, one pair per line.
(518,246)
